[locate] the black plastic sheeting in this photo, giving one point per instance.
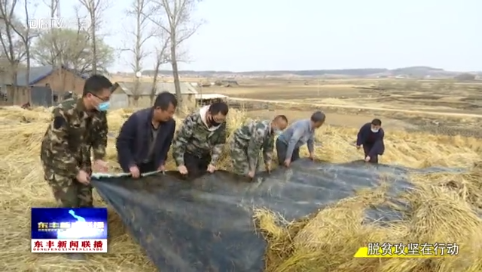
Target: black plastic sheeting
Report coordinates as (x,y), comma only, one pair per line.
(207,224)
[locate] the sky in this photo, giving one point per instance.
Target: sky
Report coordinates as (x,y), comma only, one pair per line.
(249,35)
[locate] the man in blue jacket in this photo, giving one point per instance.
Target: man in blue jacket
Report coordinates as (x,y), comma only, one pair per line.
(370,137)
(145,138)
(299,133)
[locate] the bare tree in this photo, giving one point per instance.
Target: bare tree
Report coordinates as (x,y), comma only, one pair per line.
(25,34)
(140,10)
(95,9)
(12,45)
(162,57)
(174,17)
(53,6)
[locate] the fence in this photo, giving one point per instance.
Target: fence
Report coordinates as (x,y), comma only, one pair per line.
(41,96)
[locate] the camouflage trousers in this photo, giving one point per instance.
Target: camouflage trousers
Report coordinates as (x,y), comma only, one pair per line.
(68,192)
(239,159)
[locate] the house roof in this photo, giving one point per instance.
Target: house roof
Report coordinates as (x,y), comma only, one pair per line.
(146,87)
(210,96)
(37,74)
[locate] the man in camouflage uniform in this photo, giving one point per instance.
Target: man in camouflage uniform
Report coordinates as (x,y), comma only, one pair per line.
(249,139)
(200,141)
(78,125)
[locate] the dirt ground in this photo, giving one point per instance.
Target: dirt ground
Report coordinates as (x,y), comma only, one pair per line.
(452,110)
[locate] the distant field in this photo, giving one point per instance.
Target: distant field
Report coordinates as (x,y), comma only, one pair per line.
(420,96)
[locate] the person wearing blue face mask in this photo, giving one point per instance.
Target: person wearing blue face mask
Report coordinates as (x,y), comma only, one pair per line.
(78,128)
(371,137)
(249,139)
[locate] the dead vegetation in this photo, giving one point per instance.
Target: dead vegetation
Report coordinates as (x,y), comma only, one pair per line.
(444,207)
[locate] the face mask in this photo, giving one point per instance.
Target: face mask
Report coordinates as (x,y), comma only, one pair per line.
(277,131)
(214,123)
(104,106)
(374,130)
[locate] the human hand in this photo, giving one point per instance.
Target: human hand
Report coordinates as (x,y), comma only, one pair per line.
(367,159)
(358,147)
(251,174)
(83,177)
(182,169)
(101,166)
(161,168)
(312,156)
(287,162)
(134,170)
(211,168)
(268,168)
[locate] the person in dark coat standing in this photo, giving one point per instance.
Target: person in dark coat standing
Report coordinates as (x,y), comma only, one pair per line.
(145,138)
(370,137)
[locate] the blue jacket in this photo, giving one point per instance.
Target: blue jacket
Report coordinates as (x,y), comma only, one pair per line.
(296,135)
(367,137)
(133,141)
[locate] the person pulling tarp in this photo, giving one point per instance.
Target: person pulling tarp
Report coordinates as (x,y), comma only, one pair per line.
(249,139)
(200,140)
(145,138)
(371,137)
(78,126)
(300,132)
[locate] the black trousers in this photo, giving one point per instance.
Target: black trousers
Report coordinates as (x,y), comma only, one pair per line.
(281,149)
(366,149)
(147,167)
(196,165)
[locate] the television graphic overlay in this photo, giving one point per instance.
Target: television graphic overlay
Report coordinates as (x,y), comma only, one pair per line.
(66,230)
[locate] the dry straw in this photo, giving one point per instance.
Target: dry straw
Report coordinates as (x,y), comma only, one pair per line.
(444,207)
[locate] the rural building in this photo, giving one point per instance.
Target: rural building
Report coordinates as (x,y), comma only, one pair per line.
(124,95)
(44,83)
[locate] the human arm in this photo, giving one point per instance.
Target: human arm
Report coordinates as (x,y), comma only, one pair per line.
(293,141)
(268,148)
(64,159)
(379,146)
(362,134)
(124,141)
(219,145)
(254,145)
(311,144)
(181,139)
(99,140)
(167,144)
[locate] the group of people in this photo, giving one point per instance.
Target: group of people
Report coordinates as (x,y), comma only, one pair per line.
(80,126)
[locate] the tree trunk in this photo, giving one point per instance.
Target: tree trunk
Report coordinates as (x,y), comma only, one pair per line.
(94,41)
(175,72)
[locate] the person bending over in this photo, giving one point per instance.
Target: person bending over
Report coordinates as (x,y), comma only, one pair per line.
(200,140)
(249,139)
(300,132)
(370,137)
(145,138)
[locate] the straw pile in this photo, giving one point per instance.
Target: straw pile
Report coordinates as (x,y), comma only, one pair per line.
(444,207)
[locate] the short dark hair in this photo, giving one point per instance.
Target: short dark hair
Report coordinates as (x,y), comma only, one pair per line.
(282,117)
(318,116)
(376,122)
(96,84)
(219,107)
(164,99)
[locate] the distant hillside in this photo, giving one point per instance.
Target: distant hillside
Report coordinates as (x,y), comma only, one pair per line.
(415,71)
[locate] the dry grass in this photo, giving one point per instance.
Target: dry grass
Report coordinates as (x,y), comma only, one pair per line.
(326,242)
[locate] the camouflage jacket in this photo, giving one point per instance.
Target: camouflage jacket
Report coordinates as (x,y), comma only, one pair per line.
(253,137)
(70,137)
(195,138)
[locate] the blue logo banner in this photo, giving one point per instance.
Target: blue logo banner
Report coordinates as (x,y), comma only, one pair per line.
(67,223)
